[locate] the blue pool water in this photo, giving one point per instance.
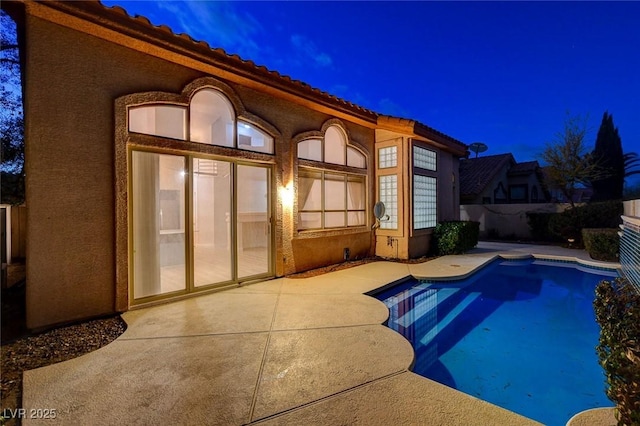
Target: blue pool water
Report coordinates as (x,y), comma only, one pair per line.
(519,334)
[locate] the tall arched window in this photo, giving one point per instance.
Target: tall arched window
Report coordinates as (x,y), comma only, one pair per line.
(211,118)
(331,182)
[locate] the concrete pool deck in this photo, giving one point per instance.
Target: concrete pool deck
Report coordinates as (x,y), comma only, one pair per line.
(284,351)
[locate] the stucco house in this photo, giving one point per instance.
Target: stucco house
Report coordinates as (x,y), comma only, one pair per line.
(159,168)
(499,179)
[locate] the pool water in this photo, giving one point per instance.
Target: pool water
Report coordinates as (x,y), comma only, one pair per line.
(519,334)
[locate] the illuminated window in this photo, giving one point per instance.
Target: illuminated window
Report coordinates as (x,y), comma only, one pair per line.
(328,196)
(253,139)
(212,121)
(212,118)
(425,188)
(328,199)
(167,121)
(388,186)
(425,211)
(332,149)
(424,158)
(387,157)
(310,149)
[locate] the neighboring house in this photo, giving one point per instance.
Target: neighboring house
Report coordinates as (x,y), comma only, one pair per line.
(499,179)
(160,168)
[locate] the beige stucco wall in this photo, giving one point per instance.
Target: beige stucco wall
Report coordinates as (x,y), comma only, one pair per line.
(508,220)
(405,242)
(71,82)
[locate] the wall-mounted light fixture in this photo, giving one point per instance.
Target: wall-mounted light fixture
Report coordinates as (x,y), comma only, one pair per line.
(286,195)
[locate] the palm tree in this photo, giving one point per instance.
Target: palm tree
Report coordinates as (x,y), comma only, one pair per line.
(631,164)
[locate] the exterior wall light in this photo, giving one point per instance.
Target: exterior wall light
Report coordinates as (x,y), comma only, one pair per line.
(286,195)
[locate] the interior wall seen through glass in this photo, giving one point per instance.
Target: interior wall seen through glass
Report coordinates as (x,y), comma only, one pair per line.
(212,118)
(212,248)
(253,224)
(159,120)
(159,256)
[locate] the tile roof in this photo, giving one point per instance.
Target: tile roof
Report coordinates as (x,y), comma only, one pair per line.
(524,168)
(477,173)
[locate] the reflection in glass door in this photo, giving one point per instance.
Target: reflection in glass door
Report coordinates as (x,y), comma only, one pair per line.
(158,189)
(253,221)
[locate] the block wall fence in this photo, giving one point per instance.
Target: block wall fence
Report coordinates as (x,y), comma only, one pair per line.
(630,242)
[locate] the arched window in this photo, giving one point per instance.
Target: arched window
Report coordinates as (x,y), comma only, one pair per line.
(330,196)
(253,139)
(211,118)
(212,121)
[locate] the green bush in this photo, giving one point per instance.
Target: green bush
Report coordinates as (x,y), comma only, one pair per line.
(539,226)
(602,243)
(617,309)
(456,237)
(569,223)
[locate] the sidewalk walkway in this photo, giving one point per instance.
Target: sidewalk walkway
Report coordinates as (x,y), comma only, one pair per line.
(285,351)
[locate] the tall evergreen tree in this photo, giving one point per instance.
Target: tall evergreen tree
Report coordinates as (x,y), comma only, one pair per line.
(608,157)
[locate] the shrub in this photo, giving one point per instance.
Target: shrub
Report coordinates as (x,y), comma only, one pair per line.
(456,237)
(617,309)
(602,243)
(539,226)
(569,223)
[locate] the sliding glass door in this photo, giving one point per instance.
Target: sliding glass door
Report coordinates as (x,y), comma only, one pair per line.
(158,212)
(212,201)
(196,223)
(253,221)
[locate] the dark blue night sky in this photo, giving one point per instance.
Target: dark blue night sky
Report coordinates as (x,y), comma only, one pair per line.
(502,73)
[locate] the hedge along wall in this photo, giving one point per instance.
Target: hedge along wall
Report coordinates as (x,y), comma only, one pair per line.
(507,220)
(630,243)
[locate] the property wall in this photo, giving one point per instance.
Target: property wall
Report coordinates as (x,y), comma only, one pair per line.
(630,242)
(506,220)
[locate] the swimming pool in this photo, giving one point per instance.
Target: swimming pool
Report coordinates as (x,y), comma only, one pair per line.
(519,334)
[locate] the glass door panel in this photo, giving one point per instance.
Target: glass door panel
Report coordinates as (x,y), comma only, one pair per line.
(253,234)
(212,250)
(158,204)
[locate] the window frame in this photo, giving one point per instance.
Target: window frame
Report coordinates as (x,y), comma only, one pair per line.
(345,170)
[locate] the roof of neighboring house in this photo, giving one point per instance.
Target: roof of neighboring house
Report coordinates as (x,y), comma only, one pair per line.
(117,19)
(477,173)
(524,168)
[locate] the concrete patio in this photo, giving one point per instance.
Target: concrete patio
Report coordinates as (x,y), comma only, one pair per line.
(285,351)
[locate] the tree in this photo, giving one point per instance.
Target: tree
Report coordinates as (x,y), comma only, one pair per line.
(609,157)
(11,114)
(568,163)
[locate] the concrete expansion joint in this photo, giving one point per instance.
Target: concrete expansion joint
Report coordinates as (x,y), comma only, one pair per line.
(189,336)
(328,397)
(264,358)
